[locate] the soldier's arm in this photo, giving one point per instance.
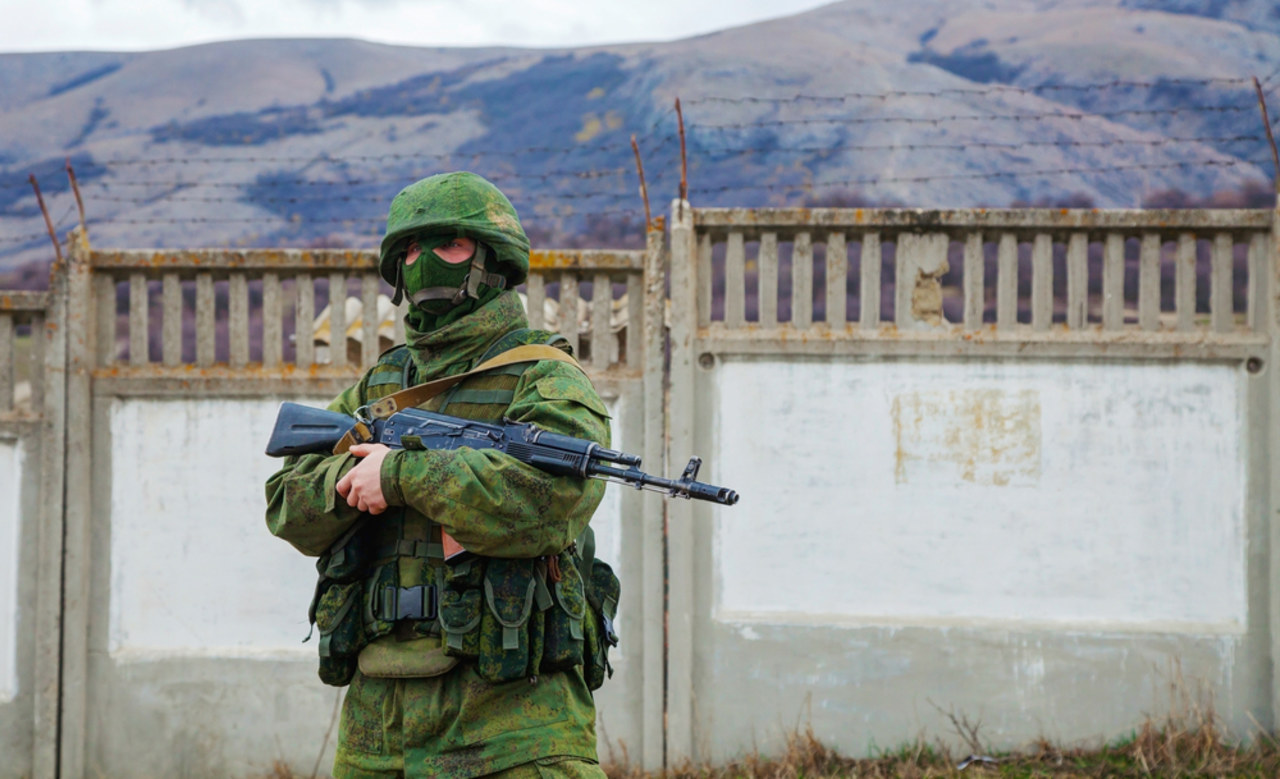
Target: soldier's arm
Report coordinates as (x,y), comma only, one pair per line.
(495,505)
(303,506)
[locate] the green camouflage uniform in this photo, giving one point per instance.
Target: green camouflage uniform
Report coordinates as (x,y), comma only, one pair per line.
(457,724)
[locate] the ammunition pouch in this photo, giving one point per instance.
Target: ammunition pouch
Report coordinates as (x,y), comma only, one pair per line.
(603,589)
(461,606)
(563,636)
(510,640)
(516,618)
(337,607)
(342,636)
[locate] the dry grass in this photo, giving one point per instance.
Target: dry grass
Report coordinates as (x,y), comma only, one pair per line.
(1187,743)
(1183,745)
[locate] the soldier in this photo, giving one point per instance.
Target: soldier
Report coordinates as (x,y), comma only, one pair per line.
(483,665)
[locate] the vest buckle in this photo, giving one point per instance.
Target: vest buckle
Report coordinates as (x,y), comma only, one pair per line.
(418,602)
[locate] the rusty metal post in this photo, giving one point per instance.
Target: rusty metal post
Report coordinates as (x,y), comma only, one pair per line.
(1271,140)
(75,190)
(684,164)
(48,223)
(644,190)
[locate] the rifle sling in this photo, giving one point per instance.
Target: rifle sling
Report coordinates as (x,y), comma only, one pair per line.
(417,395)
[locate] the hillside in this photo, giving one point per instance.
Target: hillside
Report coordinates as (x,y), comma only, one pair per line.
(304,141)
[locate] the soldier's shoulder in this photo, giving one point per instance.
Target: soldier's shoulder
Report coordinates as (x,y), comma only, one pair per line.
(555,380)
(526,336)
(397,355)
(387,374)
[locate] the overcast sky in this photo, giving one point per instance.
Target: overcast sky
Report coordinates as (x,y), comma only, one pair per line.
(62,25)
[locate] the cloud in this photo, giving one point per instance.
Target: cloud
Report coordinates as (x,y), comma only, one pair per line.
(157,24)
(222,11)
(366,3)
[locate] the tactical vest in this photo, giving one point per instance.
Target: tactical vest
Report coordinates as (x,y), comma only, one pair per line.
(515,618)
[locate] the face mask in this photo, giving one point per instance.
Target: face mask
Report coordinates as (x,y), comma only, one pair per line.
(443,292)
(432,284)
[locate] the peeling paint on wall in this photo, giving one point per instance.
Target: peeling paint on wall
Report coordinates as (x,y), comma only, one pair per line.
(11,468)
(982,436)
(1101,496)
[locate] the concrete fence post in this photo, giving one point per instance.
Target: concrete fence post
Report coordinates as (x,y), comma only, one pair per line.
(653,517)
(1271,412)
(49,538)
(680,536)
(80,351)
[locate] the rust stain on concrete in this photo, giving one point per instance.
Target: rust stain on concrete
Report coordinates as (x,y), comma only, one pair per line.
(978,436)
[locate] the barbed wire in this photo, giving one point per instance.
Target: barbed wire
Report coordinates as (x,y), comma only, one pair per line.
(286,220)
(958,176)
(326,157)
(171,199)
(330,157)
(1075,116)
(730,151)
(662,143)
(1274,73)
(58,225)
(724,151)
(4,239)
(320,197)
(295,182)
(934,93)
(595,173)
(221,220)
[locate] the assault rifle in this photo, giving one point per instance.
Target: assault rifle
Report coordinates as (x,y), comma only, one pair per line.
(303,430)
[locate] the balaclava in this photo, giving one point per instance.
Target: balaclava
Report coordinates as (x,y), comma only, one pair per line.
(443,292)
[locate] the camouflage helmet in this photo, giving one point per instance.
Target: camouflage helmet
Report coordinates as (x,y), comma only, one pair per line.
(459,203)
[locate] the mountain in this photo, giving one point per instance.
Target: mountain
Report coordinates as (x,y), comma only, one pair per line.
(921,102)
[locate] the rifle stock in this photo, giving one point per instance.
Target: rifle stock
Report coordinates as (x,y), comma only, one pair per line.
(304,430)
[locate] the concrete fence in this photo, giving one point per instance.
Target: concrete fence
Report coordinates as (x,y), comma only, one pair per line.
(1013,464)
(1033,507)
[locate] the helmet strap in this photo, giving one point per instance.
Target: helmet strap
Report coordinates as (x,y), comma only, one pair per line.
(398,286)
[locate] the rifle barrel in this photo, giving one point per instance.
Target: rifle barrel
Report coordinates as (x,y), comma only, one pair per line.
(679,488)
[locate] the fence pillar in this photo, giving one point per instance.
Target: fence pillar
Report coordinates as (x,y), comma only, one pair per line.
(1272,416)
(653,516)
(80,351)
(680,537)
(48,620)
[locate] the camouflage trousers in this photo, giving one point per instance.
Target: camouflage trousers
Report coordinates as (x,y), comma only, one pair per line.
(458,726)
(546,768)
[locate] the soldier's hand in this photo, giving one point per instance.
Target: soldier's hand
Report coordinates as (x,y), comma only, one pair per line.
(362,485)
